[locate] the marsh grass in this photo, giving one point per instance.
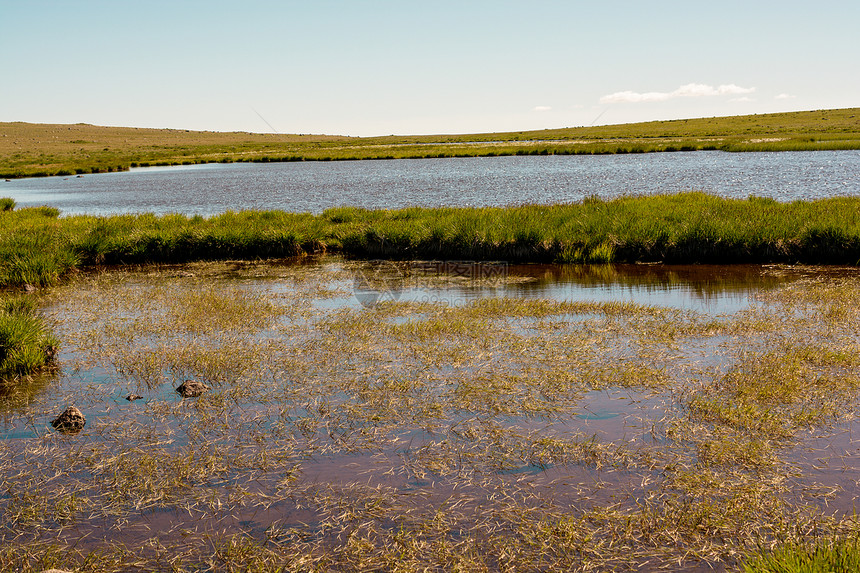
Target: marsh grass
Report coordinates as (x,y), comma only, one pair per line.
(837,556)
(27,346)
(422,435)
(40,249)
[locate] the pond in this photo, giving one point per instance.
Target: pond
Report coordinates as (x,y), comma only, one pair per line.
(475,181)
(363,414)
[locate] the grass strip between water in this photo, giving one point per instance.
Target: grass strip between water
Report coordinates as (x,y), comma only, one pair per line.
(37,247)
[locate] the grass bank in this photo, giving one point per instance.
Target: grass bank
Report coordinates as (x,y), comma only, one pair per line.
(31,150)
(37,247)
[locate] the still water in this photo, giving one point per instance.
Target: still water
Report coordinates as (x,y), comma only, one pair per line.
(476,181)
(333,392)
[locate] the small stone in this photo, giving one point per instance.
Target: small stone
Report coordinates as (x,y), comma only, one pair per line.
(70,421)
(191,388)
(28,288)
(50,353)
(132,397)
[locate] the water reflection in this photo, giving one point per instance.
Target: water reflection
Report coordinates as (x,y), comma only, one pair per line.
(710,289)
(16,397)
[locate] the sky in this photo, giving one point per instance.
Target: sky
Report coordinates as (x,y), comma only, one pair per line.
(380,67)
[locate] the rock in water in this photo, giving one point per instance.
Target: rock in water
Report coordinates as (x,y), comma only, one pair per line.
(191,388)
(50,353)
(70,421)
(132,397)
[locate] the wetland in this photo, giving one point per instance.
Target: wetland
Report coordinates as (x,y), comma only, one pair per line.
(471,364)
(477,416)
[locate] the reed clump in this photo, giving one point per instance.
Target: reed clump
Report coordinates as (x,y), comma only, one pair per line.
(26,345)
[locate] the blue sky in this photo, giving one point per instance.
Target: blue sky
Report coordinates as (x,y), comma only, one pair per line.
(378,67)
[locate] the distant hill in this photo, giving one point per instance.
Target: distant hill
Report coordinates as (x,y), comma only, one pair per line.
(29,150)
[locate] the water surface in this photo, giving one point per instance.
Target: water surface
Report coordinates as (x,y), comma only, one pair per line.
(331,407)
(474,181)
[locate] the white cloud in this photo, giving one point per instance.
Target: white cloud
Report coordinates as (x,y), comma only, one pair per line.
(687,90)
(785,96)
(542,108)
(742,99)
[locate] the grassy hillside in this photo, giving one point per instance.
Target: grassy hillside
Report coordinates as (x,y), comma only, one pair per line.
(28,150)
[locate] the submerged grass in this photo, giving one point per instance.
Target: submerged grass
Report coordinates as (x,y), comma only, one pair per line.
(409,436)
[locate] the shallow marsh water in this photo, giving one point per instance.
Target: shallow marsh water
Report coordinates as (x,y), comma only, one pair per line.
(371,413)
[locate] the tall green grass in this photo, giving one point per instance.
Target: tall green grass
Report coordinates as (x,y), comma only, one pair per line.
(683,228)
(26,344)
(38,248)
(835,557)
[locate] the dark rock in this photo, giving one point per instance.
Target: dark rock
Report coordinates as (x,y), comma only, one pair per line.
(132,397)
(50,353)
(191,388)
(70,421)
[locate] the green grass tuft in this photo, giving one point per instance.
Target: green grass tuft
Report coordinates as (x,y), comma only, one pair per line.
(26,345)
(833,557)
